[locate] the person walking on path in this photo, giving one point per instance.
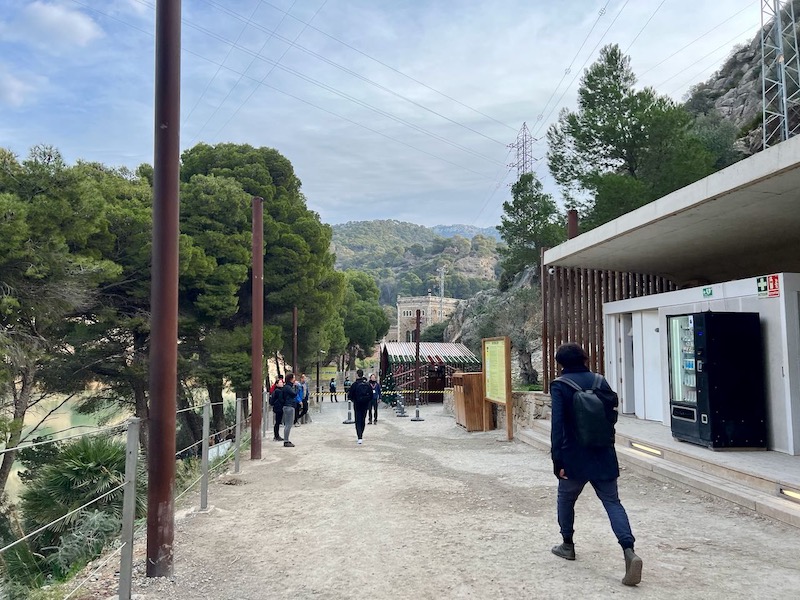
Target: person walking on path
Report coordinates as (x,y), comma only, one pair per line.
(575,463)
(275,399)
(361,395)
(287,397)
(332,389)
(376,396)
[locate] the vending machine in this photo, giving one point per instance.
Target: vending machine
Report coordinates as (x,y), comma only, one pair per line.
(716,380)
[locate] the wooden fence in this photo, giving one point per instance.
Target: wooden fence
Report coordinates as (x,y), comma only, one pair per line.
(572,309)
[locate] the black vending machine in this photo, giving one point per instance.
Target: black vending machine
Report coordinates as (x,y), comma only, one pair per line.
(716,380)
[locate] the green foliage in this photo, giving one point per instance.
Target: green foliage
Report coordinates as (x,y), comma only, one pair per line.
(364,320)
(530,222)
(83,543)
(623,148)
(404,258)
(434,333)
(83,470)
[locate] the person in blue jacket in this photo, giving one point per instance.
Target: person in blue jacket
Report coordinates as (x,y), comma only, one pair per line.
(575,465)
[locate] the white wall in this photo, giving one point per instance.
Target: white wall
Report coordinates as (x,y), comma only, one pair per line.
(780,318)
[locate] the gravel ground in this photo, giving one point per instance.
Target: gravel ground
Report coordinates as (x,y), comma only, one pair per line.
(426,510)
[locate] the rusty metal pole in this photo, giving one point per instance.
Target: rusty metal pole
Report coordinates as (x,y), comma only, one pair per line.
(572,223)
(416,362)
(257,337)
(164,294)
(294,340)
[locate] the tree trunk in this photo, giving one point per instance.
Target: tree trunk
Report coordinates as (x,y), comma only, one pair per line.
(139,384)
(217,409)
(21,400)
(190,418)
(529,374)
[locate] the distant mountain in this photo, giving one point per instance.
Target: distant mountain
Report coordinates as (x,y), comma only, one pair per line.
(466,231)
(405,258)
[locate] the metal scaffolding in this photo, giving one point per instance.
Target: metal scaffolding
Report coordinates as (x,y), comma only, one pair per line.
(780,72)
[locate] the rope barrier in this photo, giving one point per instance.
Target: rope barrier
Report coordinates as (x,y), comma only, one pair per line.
(70,513)
(191,485)
(100,566)
(187,448)
(177,412)
(64,439)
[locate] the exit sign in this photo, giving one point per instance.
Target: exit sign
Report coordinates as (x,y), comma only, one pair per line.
(708,292)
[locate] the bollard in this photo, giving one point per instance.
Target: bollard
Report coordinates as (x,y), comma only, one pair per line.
(265,410)
(349,420)
(402,411)
(417,417)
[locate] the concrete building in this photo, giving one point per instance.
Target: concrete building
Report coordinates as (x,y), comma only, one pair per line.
(727,243)
(433,309)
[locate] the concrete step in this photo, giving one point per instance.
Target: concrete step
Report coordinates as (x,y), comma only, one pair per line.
(670,468)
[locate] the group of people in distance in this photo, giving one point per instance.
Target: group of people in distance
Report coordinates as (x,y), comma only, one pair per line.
(289,401)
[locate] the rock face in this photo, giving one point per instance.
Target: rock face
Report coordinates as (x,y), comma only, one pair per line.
(479,267)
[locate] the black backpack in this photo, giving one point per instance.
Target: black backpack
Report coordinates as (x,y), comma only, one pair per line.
(361,391)
(594,414)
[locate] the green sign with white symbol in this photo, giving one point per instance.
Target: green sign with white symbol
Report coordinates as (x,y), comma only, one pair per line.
(708,292)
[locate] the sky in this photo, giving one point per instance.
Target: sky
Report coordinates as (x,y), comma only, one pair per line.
(388,109)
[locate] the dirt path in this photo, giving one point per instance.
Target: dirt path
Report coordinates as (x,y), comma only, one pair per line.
(425,510)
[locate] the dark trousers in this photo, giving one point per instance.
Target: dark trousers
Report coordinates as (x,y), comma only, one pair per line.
(568,492)
(361,418)
(302,410)
(278,421)
(373,409)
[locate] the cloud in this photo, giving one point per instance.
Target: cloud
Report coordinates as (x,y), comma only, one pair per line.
(52,27)
(14,91)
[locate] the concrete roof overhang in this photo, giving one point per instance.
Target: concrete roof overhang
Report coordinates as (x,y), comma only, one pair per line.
(740,222)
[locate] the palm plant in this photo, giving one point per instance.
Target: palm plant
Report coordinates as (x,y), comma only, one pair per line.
(82,471)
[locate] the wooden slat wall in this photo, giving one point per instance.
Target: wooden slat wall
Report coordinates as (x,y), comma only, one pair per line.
(572,303)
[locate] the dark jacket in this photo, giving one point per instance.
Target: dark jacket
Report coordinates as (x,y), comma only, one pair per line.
(360,393)
(578,462)
(285,397)
(376,390)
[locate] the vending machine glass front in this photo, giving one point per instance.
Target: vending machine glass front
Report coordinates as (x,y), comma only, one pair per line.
(683,376)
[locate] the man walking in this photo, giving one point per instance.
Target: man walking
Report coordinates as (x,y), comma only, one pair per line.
(575,463)
(361,395)
(376,396)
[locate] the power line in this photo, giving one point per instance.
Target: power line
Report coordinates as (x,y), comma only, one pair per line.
(344,69)
(334,90)
(213,62)
(247,68)
(370,57)
(495,186)
(644,26)
(568,70)
(724,45)
(213,78)
(588,58)
(694,41)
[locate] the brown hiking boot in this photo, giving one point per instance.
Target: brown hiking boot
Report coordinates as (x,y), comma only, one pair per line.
(633,568)
(564,550)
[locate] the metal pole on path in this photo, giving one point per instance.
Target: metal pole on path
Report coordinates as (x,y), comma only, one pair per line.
(349,420)
(204,456)
(257,332)
(417,417)
(128,510)
(164,292)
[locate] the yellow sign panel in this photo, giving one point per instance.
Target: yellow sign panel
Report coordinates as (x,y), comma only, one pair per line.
(494,368)
(327,373)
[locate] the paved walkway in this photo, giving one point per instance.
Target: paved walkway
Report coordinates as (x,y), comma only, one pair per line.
(426,510)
